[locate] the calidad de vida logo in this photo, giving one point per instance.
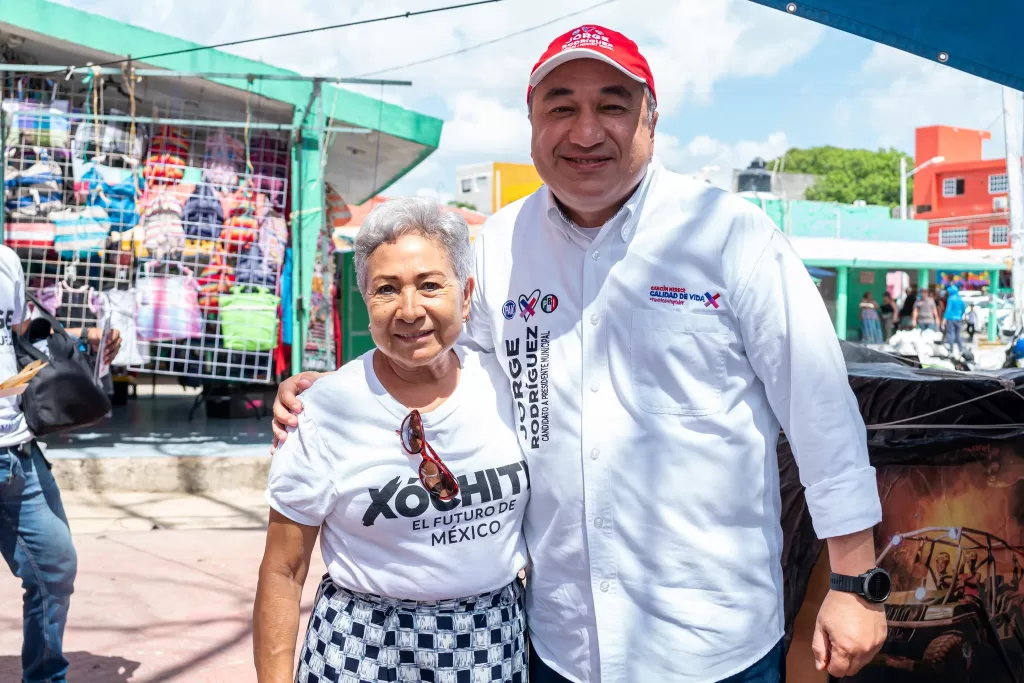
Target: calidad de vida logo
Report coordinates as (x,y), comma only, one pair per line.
(529,366)
(485,499)
(677,296)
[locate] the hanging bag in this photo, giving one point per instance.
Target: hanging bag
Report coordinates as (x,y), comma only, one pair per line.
(161,224)
(63,396)
(203,214)
(37,123)
(167,306)
(78,233)
(248,319)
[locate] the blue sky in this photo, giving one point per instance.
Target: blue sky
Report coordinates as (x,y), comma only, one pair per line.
(735,79)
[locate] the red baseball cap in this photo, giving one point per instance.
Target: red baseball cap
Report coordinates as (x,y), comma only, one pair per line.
(594,42)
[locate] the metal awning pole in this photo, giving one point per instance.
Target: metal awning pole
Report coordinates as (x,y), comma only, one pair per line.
(118,118)
(1013,131)
(56,71)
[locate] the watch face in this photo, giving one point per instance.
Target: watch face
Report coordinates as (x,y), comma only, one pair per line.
(878,586)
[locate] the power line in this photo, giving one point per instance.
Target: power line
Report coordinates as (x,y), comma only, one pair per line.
(488,42)
(361,22)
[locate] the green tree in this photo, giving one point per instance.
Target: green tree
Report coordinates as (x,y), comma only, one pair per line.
(847,175)
(463,205)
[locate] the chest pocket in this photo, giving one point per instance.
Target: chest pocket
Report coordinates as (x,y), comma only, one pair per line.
(678,362)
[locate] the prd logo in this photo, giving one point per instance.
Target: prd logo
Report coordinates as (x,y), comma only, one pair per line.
(549,303)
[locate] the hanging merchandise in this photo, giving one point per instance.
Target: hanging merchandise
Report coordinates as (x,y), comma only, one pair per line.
(29,235)
(161,224)
(248,319)
(319,351)
(269,159)
(34,192)
(167,306)
(168,155)
(203,214)
(214,280)
(120,304)
(273,238)
(255,268)
(119,200)
(224,161)
(80,232)
(37,123)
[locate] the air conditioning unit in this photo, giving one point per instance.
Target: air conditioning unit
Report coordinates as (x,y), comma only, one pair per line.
(1000,203)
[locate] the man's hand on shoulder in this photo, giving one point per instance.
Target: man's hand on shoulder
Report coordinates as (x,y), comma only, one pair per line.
(287,405)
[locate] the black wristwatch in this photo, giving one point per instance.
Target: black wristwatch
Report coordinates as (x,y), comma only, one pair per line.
(873,586)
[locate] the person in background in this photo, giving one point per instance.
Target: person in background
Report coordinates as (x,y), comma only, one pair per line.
(907,310)
(35,539)
(971,318)
(870,324)
(939,297)
(952,319)
(926,312)
(888,312)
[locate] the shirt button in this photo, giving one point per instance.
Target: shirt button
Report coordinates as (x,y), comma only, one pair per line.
(605,586)
(594,454)
(625,233)
(596,255)
(594,318)
(598,522)
(595,387)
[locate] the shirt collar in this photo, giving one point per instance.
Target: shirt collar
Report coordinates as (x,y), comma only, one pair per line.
(622,217)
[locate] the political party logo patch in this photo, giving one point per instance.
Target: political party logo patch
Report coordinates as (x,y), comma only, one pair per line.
(549,303)
(509,309)
(528,305)
(711,300)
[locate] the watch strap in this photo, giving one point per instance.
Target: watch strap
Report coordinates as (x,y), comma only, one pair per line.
(847,584)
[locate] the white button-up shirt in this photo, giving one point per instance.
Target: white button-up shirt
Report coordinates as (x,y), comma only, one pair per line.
(652,367)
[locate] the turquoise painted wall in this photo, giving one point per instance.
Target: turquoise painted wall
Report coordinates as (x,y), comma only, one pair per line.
(800,218)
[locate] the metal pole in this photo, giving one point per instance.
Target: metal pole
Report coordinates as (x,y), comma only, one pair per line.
(993,323)
(903,188)
(167,73)
(1013,133)
(116,118)
(842,289)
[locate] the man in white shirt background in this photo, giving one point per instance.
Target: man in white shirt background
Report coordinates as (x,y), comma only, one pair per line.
(656,333)
(35,539)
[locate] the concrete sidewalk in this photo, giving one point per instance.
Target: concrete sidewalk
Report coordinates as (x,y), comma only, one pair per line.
(165,589)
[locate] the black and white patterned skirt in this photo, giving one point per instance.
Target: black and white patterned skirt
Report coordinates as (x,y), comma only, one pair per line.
(361,638)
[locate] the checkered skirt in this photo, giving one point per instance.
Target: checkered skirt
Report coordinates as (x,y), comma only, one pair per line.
(361,638)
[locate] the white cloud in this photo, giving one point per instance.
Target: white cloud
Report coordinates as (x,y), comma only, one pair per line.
(903,92)
(713,158)
(481,125)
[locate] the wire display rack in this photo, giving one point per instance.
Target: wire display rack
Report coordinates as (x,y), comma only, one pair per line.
(162,208)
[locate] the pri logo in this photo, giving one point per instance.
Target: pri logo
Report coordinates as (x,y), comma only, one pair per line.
(549,303)
(509,309)
(528,305)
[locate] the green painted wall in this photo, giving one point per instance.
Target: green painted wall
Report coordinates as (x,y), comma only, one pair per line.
(856,293)
(800,218)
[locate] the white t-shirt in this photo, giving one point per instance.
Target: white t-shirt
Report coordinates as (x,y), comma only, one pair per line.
(344,469)
(13,430)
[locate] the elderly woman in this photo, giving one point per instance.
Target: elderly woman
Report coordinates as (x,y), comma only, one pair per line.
(406,462)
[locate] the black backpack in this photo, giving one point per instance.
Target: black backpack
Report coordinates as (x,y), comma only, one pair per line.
(63,396)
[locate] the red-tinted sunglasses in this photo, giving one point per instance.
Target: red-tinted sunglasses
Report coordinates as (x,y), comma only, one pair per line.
(435,477)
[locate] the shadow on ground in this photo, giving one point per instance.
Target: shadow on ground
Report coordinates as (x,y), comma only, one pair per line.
(85,668)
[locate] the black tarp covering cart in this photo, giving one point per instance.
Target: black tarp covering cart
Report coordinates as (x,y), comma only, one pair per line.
(949,451)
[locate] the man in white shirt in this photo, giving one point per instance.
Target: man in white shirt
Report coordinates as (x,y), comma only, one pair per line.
(656,333)
(35,539)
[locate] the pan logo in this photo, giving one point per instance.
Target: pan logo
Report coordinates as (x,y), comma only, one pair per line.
(509,309)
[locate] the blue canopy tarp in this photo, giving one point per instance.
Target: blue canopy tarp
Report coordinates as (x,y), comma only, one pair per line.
(981,38)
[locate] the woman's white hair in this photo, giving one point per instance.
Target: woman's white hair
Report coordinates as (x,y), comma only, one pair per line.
(414,216)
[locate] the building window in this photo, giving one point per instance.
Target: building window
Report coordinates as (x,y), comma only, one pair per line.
(952,187)
(467,185)
(998,183)
(999,235)
(953,237)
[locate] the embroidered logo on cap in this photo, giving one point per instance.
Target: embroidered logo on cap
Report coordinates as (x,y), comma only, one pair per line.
(588,36)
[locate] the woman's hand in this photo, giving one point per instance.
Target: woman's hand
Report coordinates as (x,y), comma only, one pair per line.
(95,335)
(287,405)
(276,612)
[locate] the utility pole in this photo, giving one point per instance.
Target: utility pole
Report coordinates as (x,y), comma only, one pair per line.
(1014,132)
(903,188)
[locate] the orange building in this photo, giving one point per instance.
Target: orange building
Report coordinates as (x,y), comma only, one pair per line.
(963,197)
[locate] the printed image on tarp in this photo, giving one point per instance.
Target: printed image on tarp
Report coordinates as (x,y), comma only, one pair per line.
(952,538)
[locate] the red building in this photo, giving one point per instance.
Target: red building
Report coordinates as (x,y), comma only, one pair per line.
(963,197)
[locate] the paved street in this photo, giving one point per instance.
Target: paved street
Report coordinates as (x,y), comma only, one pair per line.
(159,598)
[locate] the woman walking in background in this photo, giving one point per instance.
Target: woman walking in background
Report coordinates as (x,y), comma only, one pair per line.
(888,316)
(870,322)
